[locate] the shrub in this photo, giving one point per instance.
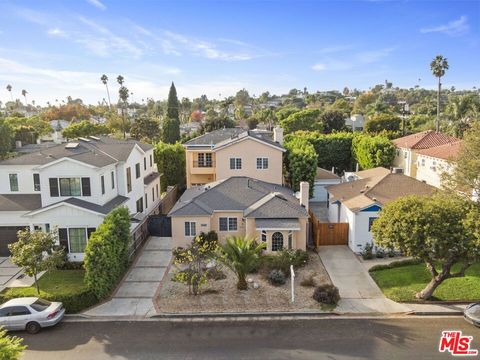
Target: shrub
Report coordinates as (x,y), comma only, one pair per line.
(372,151)
(277,277)
(382,121)
(391,252)
(283,260)
(300,163)
(367,252)
(327,294)
(395,264)
(106,254)
(380,254)
(71,265)
(308,281)
(297,258)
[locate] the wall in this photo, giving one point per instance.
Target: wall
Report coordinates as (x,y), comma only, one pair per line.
(199,175)
(178,228)
(248,150)
(320,194)
(222,235)
(362,235)
(24,176)
(430,170)
(13,218)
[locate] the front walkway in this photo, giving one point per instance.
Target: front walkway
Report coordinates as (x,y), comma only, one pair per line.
(134,296)
(358,292)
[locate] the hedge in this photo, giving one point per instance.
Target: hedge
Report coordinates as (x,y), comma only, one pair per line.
(372,151)
(300,162)
(395,264)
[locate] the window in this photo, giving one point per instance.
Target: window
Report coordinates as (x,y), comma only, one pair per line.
(13,182)
(398,152)
(77,239)
(227,224)
(423,162)
(140,205)
(36,182)
(371,220)
(264,236)
(204,160)
(53,182)
(277,241)
(112,178)
(70,187)
(144,163)
(40,305)
(156,186)
(235,163)
(63,238)
(151,160)
(153,194)
(146,201)
(262,163)
(290,239)
(129,179)
(86,187)
(19,311)
(137,170)
(190,228)
(405,154)
(102,181)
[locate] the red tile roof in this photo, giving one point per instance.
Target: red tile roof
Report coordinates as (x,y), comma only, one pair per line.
(446,152)
(424,140)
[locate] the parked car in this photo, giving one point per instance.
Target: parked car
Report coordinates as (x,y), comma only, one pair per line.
(472,314)
(30,314)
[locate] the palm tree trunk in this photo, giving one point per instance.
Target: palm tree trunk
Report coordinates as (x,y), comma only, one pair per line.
(108,95)
(437,125)
(242,282)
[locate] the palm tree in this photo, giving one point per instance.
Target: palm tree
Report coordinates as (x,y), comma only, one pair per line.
(104,80)
(120,79)
(438,66)
(24,94)
(123,94)
(241,255)
(9,89)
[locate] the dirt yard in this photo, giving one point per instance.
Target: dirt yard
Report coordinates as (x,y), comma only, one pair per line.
(223,296)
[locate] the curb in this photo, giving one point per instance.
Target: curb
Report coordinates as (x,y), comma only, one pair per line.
(243,315)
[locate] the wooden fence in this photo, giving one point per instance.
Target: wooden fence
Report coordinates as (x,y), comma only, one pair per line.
(329,233)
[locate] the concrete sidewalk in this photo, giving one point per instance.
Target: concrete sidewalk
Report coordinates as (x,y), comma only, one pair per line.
(134,296)
(358,292)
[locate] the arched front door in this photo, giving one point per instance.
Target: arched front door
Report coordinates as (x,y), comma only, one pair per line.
(277,241)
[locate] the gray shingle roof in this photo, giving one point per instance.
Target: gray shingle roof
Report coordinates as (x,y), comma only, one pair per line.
(243,194)
(99,153)
(20,202)
(277,224)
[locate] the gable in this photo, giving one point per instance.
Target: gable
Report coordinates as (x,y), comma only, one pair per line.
(249,141)
(372,208)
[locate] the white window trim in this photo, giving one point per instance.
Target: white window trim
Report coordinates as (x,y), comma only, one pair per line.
(228,223)
(263,158)
(190,228)
(68,235)
(236,167)
(10,185)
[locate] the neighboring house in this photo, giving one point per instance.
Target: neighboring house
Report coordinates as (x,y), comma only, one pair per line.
(408,147)
(230,152)
(241,206)
(358,202)
(56,134)
(433,162)
(73,186)
(323,179)
(355,122)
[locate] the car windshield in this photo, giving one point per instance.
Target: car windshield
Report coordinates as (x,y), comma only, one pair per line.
(40,305)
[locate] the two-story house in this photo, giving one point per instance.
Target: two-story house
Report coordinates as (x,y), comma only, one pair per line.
(73,186)
(231,152)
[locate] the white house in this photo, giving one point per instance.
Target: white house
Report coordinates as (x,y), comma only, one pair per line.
(323,179)
(359,201)
(355,122)
(73,186)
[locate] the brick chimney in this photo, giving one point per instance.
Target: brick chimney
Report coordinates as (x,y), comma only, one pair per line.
(304,194)
(278,135)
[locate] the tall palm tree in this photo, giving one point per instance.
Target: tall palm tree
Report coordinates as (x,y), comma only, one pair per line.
(241,255)
(104,80)
(24,94)
(438,66)
(120,79)
(123,94)
(9,89)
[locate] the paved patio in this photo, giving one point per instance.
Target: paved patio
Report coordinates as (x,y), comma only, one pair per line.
(133,297)
(358,292)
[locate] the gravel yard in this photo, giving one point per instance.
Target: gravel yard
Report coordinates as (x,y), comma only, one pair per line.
(223,296)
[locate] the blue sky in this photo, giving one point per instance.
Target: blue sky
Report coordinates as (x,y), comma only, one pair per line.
(58,48)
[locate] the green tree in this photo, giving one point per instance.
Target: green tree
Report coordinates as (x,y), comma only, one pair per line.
(343,106)
(106,253)
(332,120)
(241,255)
(308,119)
(300,163)
(83,129)
(173,104)
(284,112)
(170,159)
(439,66)
(463,111)
(7,136)
(373,151)
(11,347)
(439,230)
(171,124)
(382,122)
(216,123)
(362,101)
(146,128)
(242,98)
(36,251)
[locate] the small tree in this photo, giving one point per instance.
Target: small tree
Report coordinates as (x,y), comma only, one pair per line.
(146,128)
(11,347)
(332,120)
(241,255)
(382,122)
(192,261)
(36,251)
(170,159)
(308,119)
(440,230)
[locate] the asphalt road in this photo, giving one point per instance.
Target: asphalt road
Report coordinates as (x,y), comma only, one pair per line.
(390,339)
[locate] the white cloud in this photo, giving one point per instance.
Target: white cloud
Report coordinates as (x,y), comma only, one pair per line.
(97,4)
(57,32)
(453,28)
(368,57)
(350,61)
(319,67)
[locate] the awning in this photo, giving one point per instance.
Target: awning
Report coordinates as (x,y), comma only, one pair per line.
(277,224)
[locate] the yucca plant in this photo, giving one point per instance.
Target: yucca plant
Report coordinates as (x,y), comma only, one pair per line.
(241,254)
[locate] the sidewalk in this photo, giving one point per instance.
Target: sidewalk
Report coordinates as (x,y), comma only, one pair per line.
(133,297)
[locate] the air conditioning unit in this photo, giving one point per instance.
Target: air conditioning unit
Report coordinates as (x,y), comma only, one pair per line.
(397,170)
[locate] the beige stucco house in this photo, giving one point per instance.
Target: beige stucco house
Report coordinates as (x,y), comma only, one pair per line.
(243,206)
(231,152)
(408,147)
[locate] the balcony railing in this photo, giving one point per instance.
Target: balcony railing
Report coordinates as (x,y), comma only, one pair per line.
(203,164)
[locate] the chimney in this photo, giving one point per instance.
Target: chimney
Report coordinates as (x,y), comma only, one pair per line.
(278,135)
(304,194)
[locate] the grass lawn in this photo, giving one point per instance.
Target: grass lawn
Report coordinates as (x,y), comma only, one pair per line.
(402,283)
(58,285)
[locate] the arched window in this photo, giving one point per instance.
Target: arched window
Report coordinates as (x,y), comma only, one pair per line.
(277,241)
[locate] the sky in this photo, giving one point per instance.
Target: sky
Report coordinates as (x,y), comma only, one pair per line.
(55,49)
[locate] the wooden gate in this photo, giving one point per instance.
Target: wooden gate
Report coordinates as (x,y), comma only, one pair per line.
(329,233)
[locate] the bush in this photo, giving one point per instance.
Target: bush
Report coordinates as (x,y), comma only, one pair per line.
(71,265)
(391,252)
(106,254)
(327,294)
(367,252)
(297,258)
(308,281)
(380,254)
(283,260)
(277,277)
(372,151)
(395,264)
(300,162)
(170,160)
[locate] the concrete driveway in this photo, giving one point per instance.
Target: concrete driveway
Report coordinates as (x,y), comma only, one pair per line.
(133,298)
(359,293)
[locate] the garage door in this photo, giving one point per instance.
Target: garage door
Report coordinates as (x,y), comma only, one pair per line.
(8,235)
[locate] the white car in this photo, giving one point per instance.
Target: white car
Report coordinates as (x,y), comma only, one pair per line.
(30,314)
(472,314)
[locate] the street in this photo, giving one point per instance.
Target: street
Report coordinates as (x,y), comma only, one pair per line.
(393,338)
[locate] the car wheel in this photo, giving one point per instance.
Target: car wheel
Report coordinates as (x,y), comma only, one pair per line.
(33,327)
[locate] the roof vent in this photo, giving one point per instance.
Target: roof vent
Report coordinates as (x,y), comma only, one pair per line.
(71,145)
(84,139)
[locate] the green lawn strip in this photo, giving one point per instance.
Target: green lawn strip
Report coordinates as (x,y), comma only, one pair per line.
(66,286)
(402,283)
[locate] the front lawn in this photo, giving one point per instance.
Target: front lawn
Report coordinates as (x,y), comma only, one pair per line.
(403,282)
(66,286)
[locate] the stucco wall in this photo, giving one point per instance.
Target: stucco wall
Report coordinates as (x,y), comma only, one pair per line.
(178,228)
(430,170)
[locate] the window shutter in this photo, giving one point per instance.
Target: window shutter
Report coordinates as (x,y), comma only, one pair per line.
(53,187)
(86,187)
(63,238)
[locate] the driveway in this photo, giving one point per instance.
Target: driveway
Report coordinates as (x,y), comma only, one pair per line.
(133,298)
(358,292)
